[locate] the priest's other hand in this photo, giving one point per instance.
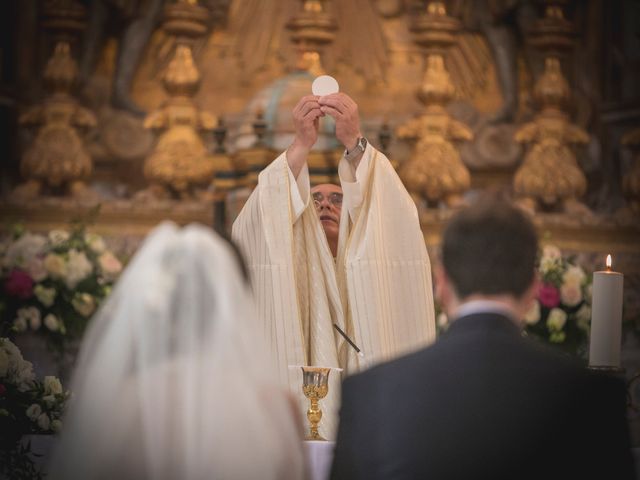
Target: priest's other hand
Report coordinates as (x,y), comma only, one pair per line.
(345,112)
(306,115)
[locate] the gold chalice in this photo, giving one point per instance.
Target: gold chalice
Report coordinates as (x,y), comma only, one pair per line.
(315,385)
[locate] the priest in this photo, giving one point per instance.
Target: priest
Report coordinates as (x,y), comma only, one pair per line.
(346,284)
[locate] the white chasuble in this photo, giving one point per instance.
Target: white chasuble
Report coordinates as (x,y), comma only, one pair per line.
(378,291)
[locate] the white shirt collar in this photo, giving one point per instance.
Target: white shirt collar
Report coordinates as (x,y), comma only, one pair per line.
(485,306)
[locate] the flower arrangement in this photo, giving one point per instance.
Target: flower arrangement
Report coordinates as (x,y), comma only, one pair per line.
(561,314)
(27,406)
(51,284)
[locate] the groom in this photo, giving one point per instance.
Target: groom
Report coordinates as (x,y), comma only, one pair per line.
(484,402)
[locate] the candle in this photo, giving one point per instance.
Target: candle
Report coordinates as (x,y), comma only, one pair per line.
(606,318)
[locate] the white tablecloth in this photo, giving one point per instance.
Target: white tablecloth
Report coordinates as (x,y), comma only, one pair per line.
(319,458)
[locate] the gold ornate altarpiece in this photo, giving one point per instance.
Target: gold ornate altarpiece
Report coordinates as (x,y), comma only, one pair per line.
(225,92)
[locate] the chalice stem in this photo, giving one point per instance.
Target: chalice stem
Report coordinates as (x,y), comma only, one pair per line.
(314,414)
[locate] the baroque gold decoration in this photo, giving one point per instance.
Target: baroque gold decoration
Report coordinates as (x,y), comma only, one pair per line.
(57,160)
(180,165)
(435,171)
(549,174)
(631,179)
(312,30)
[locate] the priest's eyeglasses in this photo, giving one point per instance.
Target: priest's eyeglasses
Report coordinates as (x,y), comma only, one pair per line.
(334,198)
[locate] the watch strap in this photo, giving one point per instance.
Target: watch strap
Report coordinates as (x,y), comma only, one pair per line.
(356,151)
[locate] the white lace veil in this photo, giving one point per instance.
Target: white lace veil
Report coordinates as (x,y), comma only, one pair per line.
(171,380)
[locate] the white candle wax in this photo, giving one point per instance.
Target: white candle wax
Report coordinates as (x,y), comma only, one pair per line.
(606,319)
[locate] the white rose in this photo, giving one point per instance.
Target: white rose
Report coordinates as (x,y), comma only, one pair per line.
(571,294)
(84,304)
(574,275)
(584,313)
(49,400)
(11,348)
(533,315)
(31,315)
(35,319)
(583,318)
(551,252)
(25,312)
(46,296)
(20,324)
(52,385)
(34,411)
(550,264)
(51,322)
(20,252)
(25,376)
(95,242)
(43,421)
(36,269)
(55,265)
(78,268)
(56,425)
(556,319)
(58,237)
(110,266)
(442,320)
(4,363)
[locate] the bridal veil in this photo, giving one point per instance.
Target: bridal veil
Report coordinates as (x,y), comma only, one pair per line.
(171,380)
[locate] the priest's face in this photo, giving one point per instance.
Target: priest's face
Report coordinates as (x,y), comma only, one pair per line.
(327,199)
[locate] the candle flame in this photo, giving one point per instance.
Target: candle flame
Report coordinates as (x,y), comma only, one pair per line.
(608,262)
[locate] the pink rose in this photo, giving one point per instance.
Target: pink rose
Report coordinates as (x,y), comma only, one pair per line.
(19,284)
(549,295)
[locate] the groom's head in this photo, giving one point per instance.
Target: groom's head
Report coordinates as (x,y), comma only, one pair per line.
(490,249)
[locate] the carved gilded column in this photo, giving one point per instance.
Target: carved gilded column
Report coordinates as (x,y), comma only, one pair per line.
(312,29)
(57,161)
(435,172)
(549,175)
(180,165)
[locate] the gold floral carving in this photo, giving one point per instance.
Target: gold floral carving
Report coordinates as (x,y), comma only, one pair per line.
(312,29)
(550,174)
(180,165)
(434,171)
(57,158)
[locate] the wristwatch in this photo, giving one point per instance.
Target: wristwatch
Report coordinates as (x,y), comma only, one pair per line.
(356,151)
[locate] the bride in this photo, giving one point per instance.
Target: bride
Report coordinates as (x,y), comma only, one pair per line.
(172,381)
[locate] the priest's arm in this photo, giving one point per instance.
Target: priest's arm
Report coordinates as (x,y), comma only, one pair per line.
(383,268)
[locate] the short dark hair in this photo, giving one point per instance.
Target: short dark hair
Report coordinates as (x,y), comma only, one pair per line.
(490,248)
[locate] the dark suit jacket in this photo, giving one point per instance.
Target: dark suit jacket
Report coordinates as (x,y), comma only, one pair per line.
(482,403)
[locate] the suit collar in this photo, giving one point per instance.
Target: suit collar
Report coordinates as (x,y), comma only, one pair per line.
(485,321)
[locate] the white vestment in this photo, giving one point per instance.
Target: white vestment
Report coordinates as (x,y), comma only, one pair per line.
(378,290)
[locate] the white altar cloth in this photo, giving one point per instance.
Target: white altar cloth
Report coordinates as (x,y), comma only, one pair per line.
(319,457)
